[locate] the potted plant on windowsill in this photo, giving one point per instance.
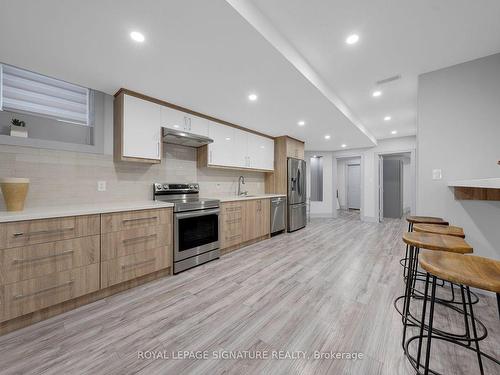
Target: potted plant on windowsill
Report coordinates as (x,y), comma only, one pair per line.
(18,128)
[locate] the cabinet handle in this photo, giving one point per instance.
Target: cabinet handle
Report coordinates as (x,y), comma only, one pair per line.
(233,209)
(158,148)
(233,237)
(67,252)
(233,221)
(52,231)
(138,239)
(20,296)
(138,263)
(190,123)
(124,221)
(210,156)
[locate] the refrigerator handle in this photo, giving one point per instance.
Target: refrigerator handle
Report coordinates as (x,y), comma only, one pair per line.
(298,182)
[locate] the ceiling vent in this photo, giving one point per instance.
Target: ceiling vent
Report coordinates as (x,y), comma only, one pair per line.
(389,79)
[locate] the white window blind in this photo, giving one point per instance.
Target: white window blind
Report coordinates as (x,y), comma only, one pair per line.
(27,92)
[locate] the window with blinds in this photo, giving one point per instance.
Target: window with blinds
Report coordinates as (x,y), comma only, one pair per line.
(23,91)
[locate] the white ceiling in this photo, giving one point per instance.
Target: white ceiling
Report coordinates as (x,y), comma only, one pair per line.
(407,37)
(205,56)
(199,54)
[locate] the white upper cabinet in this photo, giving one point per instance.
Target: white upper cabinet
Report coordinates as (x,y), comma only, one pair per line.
(260,152)
(170,118)
(221,151)
(237,148)
(141,136)
(173,119)
(197,125)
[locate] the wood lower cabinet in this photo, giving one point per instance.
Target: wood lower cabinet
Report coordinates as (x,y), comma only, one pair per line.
(118,270)
(135,243)
(49,264)
(35,294)
(243,222)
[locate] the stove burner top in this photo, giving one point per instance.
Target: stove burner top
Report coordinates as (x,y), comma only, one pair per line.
(185,197)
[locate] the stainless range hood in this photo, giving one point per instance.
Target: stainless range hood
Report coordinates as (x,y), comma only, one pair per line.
(179,137)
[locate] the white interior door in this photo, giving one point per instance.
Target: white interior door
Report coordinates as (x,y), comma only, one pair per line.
(354,186)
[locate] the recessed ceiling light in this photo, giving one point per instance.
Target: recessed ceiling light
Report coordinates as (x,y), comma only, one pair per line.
(352,39)
(343,145)
(176,126)
(137,36)
(301,123)
(387,118)
(327,136)
(376,93)
(228,139)
(394,132)
(252,97)
(182,134)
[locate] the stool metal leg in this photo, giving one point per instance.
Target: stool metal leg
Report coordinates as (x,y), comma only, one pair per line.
(474,331)
(424,308)
(431,318)
(407,298)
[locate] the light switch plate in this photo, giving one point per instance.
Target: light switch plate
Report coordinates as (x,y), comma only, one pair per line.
(437,174)
(101,185)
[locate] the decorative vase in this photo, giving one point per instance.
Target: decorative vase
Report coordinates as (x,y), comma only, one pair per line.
(14,192)
(18,131)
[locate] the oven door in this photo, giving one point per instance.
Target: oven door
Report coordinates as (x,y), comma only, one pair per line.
(195,232)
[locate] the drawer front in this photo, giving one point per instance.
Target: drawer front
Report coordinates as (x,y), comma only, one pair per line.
(232,208)
(30,232)
(130,241)
(28,262)
(129,267)
(232,225)
(35,294)
(119,221)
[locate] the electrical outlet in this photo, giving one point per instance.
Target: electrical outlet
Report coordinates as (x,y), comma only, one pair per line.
(101,185)
(437,174)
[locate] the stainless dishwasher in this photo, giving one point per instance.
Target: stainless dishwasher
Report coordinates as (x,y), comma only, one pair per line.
(278,206)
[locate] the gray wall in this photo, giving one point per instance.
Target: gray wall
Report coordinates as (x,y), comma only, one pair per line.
(459,132)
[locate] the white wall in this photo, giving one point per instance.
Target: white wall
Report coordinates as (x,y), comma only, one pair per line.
(407,185)
(369,170)
(325,208)
(459,132)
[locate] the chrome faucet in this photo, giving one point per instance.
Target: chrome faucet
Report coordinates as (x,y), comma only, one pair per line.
(241,181)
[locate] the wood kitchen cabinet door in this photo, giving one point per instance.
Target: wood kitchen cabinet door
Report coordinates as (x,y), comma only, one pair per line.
(256,219)
(294,148)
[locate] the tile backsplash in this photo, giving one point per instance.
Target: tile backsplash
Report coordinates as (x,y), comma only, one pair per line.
(65,177)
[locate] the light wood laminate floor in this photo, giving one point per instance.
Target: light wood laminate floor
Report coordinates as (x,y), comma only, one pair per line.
(328,287)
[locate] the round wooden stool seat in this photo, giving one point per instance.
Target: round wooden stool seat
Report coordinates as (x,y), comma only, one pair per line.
(469,270)
(439,242)
(426,220)
(440,229)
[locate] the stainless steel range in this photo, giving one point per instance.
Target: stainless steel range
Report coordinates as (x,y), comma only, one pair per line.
(196,224)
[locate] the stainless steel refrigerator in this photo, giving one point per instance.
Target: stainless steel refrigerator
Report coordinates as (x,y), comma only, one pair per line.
(296,194)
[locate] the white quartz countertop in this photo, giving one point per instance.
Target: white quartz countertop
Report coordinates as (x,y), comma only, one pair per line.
(486,183)
(79,209)
(234,198)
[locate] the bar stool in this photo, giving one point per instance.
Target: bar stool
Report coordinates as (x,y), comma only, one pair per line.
(434,242)
(465,271)
(449,230)
(412,221)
